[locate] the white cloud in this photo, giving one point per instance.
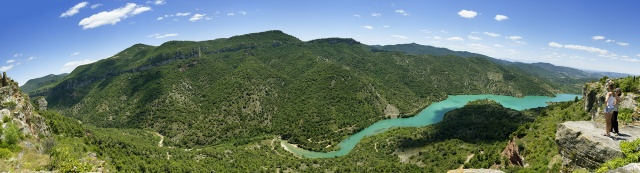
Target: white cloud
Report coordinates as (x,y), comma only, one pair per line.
(157,2)
(11,61)
(112,17)
(17,55)
(73,64)
(511,51)
(31,58)
(514,38)
(208,18)
(473,38)
(588,49)
(492,34)
(6,68)
(455,39)
(622,44)
(231,14)
(94,6)
(554,44)
(197,17)
(376,14)
(467,14)
(437,38)
(140,10)
(367,27)
(597,37)
(638,55)
(501,17)
(519,43)
(163,36)
(404,13)
(497,45)
(242,12)
(400,36)
(357,15)
(75,53)
(386,26)
(478,46)
(160,18)
(183,14)
(609,41)
(443,31)
(74,10)
(631,60)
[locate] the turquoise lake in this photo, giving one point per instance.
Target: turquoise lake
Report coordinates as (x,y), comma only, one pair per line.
(432,114)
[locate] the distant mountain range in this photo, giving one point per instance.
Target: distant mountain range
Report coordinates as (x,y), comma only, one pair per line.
(313,93)
(41,83)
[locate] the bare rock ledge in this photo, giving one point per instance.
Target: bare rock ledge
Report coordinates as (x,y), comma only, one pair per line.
(582,144)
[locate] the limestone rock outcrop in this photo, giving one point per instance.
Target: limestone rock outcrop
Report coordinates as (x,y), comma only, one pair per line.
(630,168)
(42,104)
(17,107)
(582,144)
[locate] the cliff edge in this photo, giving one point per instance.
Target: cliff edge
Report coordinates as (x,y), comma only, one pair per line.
(582,144)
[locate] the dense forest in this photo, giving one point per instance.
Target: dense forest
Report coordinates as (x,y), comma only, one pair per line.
(312,93)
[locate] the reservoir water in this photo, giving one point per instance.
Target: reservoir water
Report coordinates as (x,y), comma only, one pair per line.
(432,114)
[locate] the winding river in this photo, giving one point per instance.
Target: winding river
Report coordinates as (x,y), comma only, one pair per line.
(432,114)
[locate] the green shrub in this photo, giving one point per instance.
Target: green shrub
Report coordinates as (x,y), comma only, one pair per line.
(631,151)
(5,153)
(9,105)
(624,115)
(6,119)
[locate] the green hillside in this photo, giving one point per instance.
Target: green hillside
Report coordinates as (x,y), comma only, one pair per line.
(313,93)
(42,83)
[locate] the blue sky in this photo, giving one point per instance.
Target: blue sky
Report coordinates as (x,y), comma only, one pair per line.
(41,37)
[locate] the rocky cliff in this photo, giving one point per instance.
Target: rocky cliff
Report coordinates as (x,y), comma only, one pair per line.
(582,144)
(16,108)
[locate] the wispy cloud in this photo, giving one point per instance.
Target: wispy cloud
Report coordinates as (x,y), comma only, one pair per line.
(497,45)
(73,64)
(163,36)
(455,39)
(112,17)
(17,55)
(183,14)
(75,53)
(386,26)
(160,18)
(6,68)
(404,13)
(157,2)
(94,6)
(357,15)
(580,47)
(491,34)
(501,17)
(638,55)
(467,14)
(231,14)
(514,38)
(242,12)
(367,27)
(74,10)
(478,46)
(400,36)
(11,61)
(31,58)
(609,41)
(376,14)
(197,17)
(519,43)
(622,44)
(470,37)
(597,37)
(630,60)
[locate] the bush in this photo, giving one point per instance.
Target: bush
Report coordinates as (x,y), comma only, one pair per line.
(6,119)
(9,105)
(5,153)
(12,135)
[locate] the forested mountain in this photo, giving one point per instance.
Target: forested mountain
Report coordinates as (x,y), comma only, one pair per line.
(42,82)
(313,93)
(570,78)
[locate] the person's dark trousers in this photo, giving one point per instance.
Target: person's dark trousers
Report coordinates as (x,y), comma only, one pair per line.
(614,122)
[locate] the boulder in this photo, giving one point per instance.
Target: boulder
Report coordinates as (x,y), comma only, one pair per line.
(630,168)
(582,144)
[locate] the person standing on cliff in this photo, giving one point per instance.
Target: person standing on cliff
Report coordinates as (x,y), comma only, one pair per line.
(610,100)
(614,116)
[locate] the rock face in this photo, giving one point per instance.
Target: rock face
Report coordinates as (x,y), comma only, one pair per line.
(582,144)
(512,152)
(391,111)
(17,107)
(42,104)
(630,168)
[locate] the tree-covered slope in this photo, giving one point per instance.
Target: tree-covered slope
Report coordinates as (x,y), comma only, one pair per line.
(314,93)
(42,82)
